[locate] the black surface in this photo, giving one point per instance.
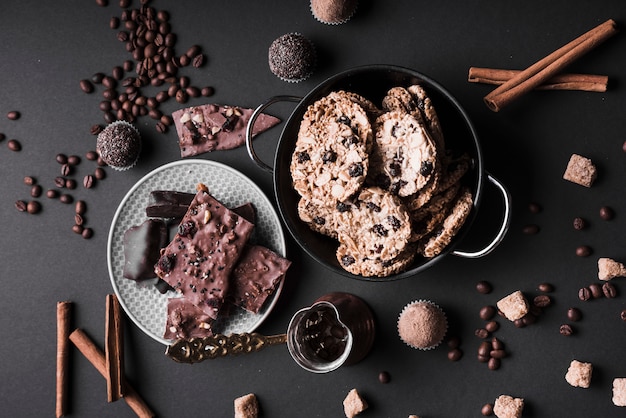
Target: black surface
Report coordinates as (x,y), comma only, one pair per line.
(47,47)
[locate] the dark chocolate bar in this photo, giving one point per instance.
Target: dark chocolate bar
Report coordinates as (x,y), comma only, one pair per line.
(142,246)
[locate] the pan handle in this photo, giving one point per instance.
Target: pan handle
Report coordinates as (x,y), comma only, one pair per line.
(250,127)
(506,221)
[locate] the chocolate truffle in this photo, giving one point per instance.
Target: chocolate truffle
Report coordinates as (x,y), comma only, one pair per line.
(292,57)
(119,145)
(422,325)
(333,12)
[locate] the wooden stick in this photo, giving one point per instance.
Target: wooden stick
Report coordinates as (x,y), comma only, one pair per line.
(581,82)
(549,66)
(114,349)
(96,357)
(64,314)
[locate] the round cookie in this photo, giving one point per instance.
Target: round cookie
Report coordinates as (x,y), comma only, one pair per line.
(119,145)
(451,225)
(375,226)
(320,217)
(370,267)
(292,57)
(429,114)
(404,156)
(331,160)
(422,325)
(430,216)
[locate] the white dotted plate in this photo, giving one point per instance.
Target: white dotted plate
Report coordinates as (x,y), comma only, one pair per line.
(141,301)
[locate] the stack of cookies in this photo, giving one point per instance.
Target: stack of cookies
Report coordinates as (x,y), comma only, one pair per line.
(379,179)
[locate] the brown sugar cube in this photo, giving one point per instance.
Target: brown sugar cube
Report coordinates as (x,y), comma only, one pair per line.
(507,406)
(619,391)
(513,306)
(579,374)
(247,406)
(354,404)
(580,170)
(609,269)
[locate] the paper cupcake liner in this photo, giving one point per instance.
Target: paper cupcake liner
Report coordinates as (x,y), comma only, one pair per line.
(130,125)
(443,335)
(332,23)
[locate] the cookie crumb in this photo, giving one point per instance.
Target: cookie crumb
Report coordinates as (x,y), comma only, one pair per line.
(580,170)
(579,374)
(354,404)
(513,306)
(619,391)
(609,269)
(247,406)
(507,406)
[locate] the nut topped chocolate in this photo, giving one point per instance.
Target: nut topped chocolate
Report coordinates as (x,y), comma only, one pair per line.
(199,260)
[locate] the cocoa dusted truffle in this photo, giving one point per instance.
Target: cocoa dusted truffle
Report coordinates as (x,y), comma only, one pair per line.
(333,12)
(292,57)
(119,145)
(422,325)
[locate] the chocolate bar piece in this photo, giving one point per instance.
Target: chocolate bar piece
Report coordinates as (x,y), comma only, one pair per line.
(200,258)
(168,204)
(185,320)
(142,246)
(246,211)
(256,276)
(213,127)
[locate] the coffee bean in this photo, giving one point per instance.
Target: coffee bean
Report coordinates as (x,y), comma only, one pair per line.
(14,145)
(97,78)
(492,326)
(487,410)
(384,377)
(66,198)
(114,22)
(52,194)
(530,229)
(78,219)
(66,170)
(494,363)
(78,229)
(193,91)
(99,173)
(546,287)
(574,314)
(542,301)
(455,354)
(583,251)
(534,207)
(13,115)
(584,294)
(87,233)
(80,207)
(529,319)
(88,181)
(102,3)
(606,213)
(33,207)
(182,96)
(596,290)
(497,344)
(609,290)
(198,61)
(579,223)
(29,180)
(484,349)
(70,184)
(36,190)
(86,86)
(484,287)
(566,330)
(622,314)
(73,160)
(487,312)
(20,205)
(207,91)
(161,127)
(481,333)
(95,129)
(500,354)
(453,342)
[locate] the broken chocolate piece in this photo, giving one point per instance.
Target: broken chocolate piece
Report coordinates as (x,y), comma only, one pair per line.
(185,320)
(168,204)
(247,212)
(142,246)
(213,127)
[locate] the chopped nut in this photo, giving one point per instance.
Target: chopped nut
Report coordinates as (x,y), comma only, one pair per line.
(207,216)
(215,129)
(198,118)
(185,118)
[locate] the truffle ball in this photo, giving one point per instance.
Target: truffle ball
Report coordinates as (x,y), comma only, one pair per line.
(119,145)
(292,57)
(333,12)
(422,325)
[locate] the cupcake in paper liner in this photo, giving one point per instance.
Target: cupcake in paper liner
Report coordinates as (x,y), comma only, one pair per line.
(119,145)
(292,57)
(333,12)
(422,325)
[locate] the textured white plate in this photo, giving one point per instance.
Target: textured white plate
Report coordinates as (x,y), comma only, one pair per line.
(141,301)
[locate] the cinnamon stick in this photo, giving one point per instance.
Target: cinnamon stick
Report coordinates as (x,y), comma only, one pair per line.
(114,349)
(581,82)
(96,357)
(549,66)
(64,313)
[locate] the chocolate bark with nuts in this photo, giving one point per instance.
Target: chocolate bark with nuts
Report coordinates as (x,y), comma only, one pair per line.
(213,127)
(185,320)
(199,260)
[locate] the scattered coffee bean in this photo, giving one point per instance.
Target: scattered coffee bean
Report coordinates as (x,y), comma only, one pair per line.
(534,207)
(36,190)
(574,314)
(529,319)
(66,170)
(78,229)
(20,205)
(14,145)
(455,354)
(13,115)
(99,173)
(86,86)
(487,312)
(484,348)
(52,193)
(542,301)
(607,213)
(384,377)
(494,363)
(584,294)
(80,207)
(91,155)
(492,326)
(609,290)
(583,251)
(73,160)
(70,184)
(88,181)
(596,290)
(579,223)
(66,198)
(78,219)
(487,410)
(546,287)
(95,129)
(497,344)
(530,229)
(622,314)
(102,3)
(33,207)
(499,354)
(61,159)
(481,333)
(87,233)
(566,330)
(207,91)
(29,181)
(484,287)
(453,342)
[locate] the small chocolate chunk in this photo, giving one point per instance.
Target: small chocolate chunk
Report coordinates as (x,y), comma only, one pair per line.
(142,244)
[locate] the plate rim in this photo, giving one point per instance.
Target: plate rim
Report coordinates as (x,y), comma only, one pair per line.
(281,251)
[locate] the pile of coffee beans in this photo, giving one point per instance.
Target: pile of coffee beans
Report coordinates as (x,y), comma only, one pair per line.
(148,37)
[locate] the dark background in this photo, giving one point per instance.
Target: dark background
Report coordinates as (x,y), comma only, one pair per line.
(47,47)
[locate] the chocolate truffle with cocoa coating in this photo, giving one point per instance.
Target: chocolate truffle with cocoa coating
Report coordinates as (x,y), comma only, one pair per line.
(119,145)
(422,325)
(333,12)
(292,57)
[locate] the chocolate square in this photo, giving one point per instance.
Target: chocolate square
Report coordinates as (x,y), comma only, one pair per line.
(185,320)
